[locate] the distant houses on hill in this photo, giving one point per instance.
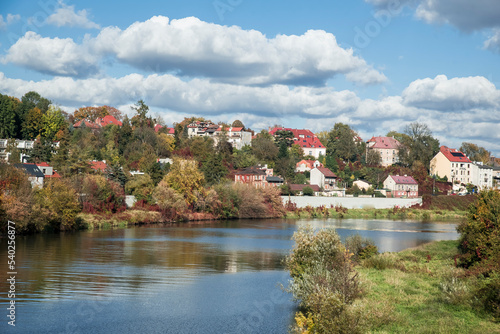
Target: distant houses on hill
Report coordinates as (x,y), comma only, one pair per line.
(306,139)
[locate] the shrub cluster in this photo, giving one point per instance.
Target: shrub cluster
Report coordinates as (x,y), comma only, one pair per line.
(479,247)
(324,282)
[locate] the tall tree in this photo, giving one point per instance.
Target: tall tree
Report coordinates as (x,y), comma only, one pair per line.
(342,143)
(418,145)
(186,179)
(8,124)
(264,148)
(52,121)
(475,152)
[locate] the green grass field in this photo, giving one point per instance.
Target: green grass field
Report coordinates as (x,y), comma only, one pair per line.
(421,291)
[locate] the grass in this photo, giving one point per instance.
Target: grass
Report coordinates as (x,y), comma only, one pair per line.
(409,292)
(371,213)
(118,220)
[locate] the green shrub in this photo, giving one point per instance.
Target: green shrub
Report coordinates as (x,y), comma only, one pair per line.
(383,261)
(307,191)
(479,242)
(361,248)
(488,292)
(325,283)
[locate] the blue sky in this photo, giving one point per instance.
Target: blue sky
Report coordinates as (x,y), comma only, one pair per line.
(377,65)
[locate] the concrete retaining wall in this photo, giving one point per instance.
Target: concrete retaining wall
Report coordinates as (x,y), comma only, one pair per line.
(352,202)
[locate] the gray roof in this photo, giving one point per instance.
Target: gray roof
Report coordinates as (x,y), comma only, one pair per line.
(274,179)
(31,169)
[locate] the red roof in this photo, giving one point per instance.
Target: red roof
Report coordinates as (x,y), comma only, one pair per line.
(300,187)
(158,127)
(403,179)
(454,155)
(308,163)
(326,172)
(87,123)
(43,164)
(98,165)
(384,143)
(302,137)
(99,122)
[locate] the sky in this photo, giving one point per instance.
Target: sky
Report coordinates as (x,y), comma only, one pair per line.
(377,65)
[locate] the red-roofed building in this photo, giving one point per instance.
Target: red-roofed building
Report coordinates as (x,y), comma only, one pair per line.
(100,122)
(170,131)
(401,186)
(99,166)
(324,178)
(306,165)
(453,164)
(48,170)
(236,136)
(306,139)
(388,147)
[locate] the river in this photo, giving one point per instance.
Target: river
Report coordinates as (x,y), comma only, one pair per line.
(220,277)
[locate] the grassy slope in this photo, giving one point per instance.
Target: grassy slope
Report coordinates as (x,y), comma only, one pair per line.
(410,299)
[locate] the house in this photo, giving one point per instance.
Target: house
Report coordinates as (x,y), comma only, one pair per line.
(306,139)
(237,136)
(24,146)
(324,178)
(453,165)
(98,166)
(496,177)
(251,175)
(306,165)
(401,186)
(47,170)
(274,181)
(35,175)
(482,175)
(99,122)
(169,131)
(299,188)
(387,147)
(363,185)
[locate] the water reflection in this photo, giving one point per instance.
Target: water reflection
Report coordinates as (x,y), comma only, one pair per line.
(202,274)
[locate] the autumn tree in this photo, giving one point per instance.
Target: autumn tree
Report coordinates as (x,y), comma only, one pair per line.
(52,121)
(417,145)
(140,119)
(33,123)
(373,158)
(238,124)
(185,178)
(475,152)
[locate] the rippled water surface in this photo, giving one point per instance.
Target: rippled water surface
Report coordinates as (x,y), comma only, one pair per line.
(207,278)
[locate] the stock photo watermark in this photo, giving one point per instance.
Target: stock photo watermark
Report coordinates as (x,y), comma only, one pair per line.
(11,272)
(381,19)
(36,21)
(223,6)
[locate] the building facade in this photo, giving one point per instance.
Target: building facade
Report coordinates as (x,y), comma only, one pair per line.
(324,178)
(306,165)
(453,164)
(236,136)
(306,139)
(401,186)
(387,147)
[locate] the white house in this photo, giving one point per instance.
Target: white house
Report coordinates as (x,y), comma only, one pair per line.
(306,165)
(401,186)
(453,164)
(324,178)
(482,176)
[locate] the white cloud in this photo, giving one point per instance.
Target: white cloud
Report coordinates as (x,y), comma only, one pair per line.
(493,43)
(445,94)
(10,18)
(476,117)
(192,47)
(65,16)
(53,56)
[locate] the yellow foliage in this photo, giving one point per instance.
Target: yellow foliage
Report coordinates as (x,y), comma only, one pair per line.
(186,179)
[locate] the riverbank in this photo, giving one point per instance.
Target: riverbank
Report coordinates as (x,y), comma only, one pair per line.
(413,291)
(421,290)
